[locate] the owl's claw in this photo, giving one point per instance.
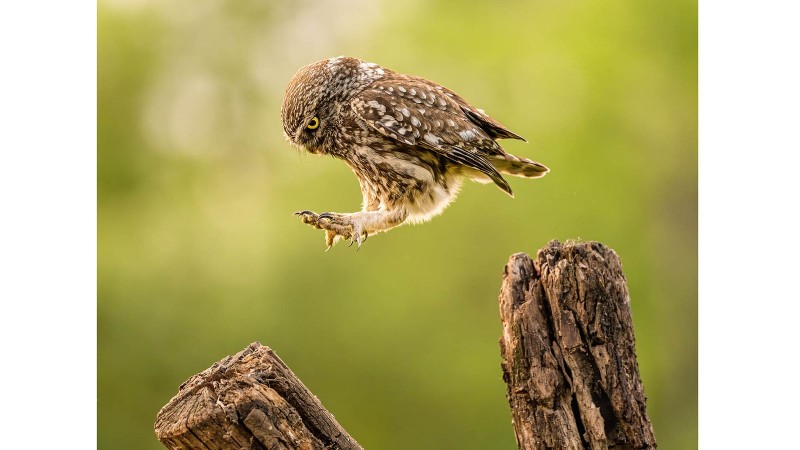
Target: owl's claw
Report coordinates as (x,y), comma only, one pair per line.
(361,238)
(330,239)
(309,217)
(336,226)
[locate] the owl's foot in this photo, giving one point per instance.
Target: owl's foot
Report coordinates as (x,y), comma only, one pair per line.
(309,217)
(337,226)
(342,225)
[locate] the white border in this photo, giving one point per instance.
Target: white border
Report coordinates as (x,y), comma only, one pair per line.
(48,223)
(749,208)
(749,128)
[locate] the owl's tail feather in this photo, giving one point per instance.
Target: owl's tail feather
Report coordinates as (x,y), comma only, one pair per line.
(520,167)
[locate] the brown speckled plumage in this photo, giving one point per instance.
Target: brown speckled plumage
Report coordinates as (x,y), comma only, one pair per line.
(409,141)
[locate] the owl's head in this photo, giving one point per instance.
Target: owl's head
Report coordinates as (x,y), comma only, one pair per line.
(316,95)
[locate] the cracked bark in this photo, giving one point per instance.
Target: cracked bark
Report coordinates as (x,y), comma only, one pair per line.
(250,400)
(569,363)
(569,359)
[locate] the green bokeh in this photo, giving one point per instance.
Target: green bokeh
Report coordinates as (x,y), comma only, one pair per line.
(199,254)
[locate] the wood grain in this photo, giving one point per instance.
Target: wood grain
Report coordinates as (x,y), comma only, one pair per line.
(568,349)
(250,400)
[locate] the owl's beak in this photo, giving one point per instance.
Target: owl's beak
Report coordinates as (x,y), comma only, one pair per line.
(303,143)
(292,138)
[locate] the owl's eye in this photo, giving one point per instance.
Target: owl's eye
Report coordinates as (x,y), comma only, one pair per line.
(313,124)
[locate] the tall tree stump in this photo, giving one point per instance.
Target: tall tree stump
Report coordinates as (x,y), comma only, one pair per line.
(250,400)
(568,351)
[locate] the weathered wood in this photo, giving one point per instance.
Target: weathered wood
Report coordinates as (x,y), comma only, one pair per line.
(569,358)
(250,400)
(569,363)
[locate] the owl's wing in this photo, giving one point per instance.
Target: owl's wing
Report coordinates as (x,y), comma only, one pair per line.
(426,116)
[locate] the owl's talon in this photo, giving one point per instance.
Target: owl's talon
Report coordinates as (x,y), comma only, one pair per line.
(330,238)
(337,227)
(360,238)
(309,217)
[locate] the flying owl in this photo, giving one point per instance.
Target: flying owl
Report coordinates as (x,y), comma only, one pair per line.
(409,141)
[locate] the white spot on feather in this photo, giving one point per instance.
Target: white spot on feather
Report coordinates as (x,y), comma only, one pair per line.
(377,106)
(370,68)
(467,135)
(431,139)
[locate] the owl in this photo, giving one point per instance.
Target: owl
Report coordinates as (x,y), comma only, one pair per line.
(409,141)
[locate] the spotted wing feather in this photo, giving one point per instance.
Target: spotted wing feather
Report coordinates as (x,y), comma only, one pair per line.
(424,115)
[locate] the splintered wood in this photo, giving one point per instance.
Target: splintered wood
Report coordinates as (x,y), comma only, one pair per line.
(250,400)
(569,362)
(568,349)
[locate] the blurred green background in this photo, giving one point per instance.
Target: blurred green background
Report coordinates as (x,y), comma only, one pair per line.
(199,253)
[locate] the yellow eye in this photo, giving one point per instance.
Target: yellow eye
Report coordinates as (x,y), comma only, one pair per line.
(313,124)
